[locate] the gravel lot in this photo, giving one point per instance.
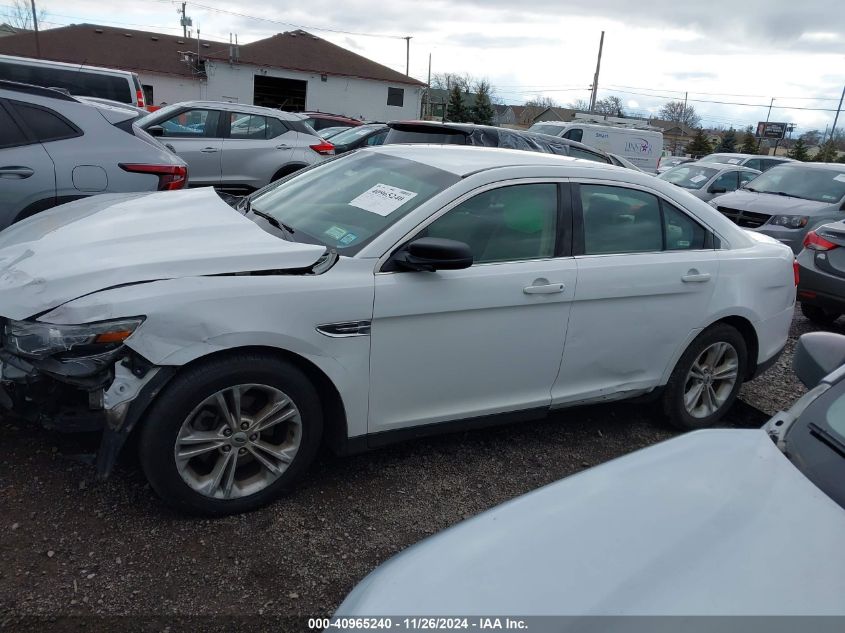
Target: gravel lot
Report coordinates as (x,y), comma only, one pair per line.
(74,546)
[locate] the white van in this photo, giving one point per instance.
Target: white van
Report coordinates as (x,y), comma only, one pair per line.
(642,147)
(78,80)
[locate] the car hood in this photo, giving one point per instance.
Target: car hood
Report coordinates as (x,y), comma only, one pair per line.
(770,204)
(118,239)
(713,522)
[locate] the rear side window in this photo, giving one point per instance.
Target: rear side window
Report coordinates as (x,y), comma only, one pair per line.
(247,126)
(275,127)
(10,134)
(431,135)
(577,152)
(682,232)
(76,81)
(45,125)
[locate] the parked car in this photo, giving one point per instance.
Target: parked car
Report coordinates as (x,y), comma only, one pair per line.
(234,146)
(666,163)
(821,286)
(432,132)
(754,161)
(329,132)
(706,524)
(365,135)
(139,112)
(641,147)
(79,80)
(388,293)
(709,180)
(788,201)
(54,148)
(322,120)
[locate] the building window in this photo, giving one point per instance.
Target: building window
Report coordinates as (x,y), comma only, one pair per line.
(395,97)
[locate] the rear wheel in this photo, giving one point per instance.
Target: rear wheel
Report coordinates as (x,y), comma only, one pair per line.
(707,378)
(818,315)
(231,434)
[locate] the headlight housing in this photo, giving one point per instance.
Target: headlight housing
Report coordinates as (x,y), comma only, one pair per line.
(40,340)
(790,221)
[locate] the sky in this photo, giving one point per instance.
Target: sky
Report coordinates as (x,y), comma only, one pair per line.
(731,58)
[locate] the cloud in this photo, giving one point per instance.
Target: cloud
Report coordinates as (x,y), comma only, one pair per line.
(692,75)
(481,40)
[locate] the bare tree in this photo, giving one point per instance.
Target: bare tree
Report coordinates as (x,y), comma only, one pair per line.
(678,112)
(19,15)
(447,81)
(541,102)
(580,104)
(610,106)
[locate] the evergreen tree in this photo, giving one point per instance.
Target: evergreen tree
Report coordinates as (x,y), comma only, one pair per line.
(799,151)
(456,110)
(482,111)
(749,143)
(699,145)
(826,154)
(728,143)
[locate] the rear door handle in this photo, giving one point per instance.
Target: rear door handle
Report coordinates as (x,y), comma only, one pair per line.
(208,150)
(544,289)
(282,146)
(694,276)
(16,172)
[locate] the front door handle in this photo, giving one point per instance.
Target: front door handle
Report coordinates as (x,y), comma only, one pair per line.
(544,289)
(16,172)
(694,276)
(282,146)
(208,150)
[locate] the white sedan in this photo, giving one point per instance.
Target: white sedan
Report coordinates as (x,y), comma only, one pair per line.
(389,293)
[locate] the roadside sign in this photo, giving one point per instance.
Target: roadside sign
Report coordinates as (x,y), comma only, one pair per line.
(767,129)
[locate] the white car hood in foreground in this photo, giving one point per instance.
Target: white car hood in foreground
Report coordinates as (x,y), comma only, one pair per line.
(116,239)
(711,523)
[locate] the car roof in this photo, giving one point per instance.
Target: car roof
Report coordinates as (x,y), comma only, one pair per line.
(816,165)
(32,89)
(739,155)
(242,108)
(727,166)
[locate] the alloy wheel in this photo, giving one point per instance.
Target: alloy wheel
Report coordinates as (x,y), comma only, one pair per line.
(711,380)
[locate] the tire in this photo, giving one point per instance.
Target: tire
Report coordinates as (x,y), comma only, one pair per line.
(190,405)
(819,316)
(681,383)
(286,171)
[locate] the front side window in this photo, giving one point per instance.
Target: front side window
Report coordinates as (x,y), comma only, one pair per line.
(574,135)
(725,182)
(746,177)
(753,163)
(45,124)
(507,224)
(345,203)
(191,124)
(395,97)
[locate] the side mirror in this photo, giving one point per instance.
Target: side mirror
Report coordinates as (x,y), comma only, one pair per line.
(433,253)
(816,355)
(155,130)
(717,190)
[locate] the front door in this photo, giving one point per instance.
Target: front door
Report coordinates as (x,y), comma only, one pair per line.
(194,135)
(484,340)
(646,273)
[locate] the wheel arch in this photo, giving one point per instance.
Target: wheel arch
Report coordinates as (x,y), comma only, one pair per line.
(287,170)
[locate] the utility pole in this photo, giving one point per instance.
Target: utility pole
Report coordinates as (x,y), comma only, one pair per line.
(683,123)
(596,77)
(427,105)
(35,29)
(407,39)
(836,118)
(185,21)
(768,114)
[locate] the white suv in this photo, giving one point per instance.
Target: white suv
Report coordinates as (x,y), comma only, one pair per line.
(234,146)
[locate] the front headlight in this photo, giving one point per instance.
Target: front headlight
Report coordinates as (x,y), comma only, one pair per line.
(40,340)
(790,221)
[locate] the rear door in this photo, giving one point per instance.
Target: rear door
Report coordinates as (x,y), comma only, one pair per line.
(27,173)
(194,135)
(255,148)
(646,273)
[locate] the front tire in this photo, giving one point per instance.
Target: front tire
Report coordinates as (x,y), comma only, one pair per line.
(819,316)
(231,434)
(707,378)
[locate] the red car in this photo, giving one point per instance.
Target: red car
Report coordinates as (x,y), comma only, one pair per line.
(321,120)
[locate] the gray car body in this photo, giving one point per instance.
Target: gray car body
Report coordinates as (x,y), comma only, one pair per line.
(715,522)
(754,161)
(704,192)
(754,211)
(70,168)
(239,163)
(822,273)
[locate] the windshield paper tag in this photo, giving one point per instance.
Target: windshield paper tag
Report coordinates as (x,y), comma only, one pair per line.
(382,199)
(840,177)
(733,161)
(698,178)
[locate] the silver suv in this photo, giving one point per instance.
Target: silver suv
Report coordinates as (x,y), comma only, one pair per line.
(234,146)
(54,149)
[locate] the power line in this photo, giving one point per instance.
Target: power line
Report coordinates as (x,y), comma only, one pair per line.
(733,103)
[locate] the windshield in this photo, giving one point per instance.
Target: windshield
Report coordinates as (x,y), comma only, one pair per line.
(671,162)
(689,176)
(344,203)
(800,181)
(353,134)
(728,159)
(554,130)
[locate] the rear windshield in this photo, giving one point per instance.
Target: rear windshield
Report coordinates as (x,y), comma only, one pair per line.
(353,134)
(554,130)
(799,181)
(425,135)
(689,176)
(76,82)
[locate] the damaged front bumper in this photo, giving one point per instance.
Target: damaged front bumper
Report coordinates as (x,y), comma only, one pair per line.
(107,392)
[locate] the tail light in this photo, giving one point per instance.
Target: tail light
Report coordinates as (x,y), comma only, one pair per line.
(323,148)
(170,177)
(796,275)
(139,97)
(816,242)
